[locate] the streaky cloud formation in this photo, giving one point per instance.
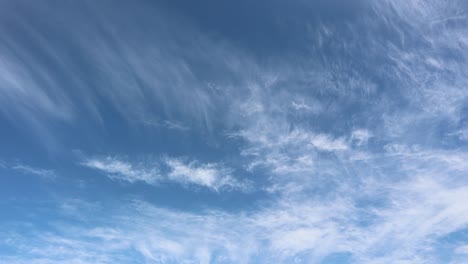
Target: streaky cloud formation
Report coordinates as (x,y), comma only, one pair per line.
(209,175)
(234,132)
(124,171)
(35,171)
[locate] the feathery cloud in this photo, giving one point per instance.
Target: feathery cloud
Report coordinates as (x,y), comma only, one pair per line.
(209,175)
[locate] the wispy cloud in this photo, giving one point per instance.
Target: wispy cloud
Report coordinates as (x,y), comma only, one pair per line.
(47,174)
(462,134)
(214,176)
(174,125)
(307,231)
(412,215)
(352,155)
(327,143)
(41,85)
(209,175)
(462,250)
(157,234)
(361,136)
(118,169)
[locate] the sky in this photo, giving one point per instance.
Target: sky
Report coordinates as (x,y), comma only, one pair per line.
(215,131)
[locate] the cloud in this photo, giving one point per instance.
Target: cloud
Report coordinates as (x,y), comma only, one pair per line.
(34,98)
(329,192)
(213,176)
(462,250)
(326,143)
(173,125)
(209,175)
(42,85)
(462,134)
(422,211)
(402,220)
(420,160)
(47,174)
(124,171)
(142,231)
(360,136)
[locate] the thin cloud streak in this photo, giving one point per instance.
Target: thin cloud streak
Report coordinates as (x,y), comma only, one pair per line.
(187,173)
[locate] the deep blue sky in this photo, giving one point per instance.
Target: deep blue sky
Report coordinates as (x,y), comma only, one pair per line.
(233,131)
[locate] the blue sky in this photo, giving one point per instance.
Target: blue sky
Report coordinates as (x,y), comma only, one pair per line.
(234,131)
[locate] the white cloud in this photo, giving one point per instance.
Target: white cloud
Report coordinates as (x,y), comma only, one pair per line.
(462,134)
(312,106)
(174,125)
(297,240)
(48,174)
(420,212)
(122,170)
(300,106)
(422,160)
(417,213)
(171,236)
(213,176)
(415,194)
(28,95)
(327,143)
(389,206)
(462,250)
(210,175)
(139,80)
(361,136)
